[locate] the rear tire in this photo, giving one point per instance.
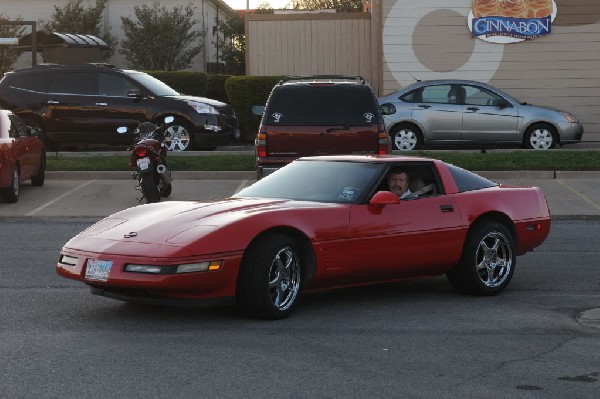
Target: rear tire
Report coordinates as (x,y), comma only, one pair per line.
(406,137)
(149,189)
(10,194)
(488,260)
(40,176)
(270,278)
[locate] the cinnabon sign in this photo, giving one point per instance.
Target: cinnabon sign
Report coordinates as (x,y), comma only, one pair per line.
(508,21)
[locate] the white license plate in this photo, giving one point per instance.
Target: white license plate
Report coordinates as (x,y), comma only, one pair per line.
(98,269)
(143,163)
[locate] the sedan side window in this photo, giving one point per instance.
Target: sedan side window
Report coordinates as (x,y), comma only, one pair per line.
(17,127)
(440,94)
(479,96)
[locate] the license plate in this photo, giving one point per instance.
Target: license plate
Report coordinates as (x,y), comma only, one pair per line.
(143,163)
(98,269)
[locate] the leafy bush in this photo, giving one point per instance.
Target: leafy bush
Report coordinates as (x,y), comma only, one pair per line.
(215,88)
(246,91)
(185,82)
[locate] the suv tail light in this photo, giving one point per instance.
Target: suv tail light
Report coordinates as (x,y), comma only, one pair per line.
(384,141)
(261,144)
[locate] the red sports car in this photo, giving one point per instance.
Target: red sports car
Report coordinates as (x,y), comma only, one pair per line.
(22,156)
(320,222)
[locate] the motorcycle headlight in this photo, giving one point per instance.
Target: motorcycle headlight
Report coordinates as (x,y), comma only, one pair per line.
(203,108)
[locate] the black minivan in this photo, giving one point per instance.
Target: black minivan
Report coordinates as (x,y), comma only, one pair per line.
(75,104)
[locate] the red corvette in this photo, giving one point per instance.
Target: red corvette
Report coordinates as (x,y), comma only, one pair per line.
(318,223)
(22,156)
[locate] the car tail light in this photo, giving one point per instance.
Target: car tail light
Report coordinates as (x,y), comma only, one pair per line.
(141,152)
(384,143)
(261,144)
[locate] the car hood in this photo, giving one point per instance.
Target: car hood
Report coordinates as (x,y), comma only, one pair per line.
(194,228)
(205,100)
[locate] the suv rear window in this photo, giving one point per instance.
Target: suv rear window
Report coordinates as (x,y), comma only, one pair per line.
(39,82)
(340,104)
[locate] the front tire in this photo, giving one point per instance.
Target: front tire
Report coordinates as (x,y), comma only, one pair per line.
(178,137)
(488,260)
(270,278)
(406,137)
(10,194)
(40,176)
(540,137)
(149,189)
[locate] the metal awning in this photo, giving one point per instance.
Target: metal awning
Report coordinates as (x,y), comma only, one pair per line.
(56,39)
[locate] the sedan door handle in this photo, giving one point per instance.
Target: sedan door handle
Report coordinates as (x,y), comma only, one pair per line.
(446,208)
(473,109)
(424,106)
(102,104)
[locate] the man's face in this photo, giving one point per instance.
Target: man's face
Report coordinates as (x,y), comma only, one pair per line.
(398,183)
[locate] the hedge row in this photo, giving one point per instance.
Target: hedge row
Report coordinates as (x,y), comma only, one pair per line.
(241,92)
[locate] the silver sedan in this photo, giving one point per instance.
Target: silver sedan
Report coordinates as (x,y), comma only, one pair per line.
(467,112)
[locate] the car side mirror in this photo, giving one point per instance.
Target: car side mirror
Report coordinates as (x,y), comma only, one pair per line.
(502,104)
(387,109)
(35,132)
(383,198)
(258,110)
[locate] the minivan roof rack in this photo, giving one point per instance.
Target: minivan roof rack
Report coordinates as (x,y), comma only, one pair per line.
(102,64)
(358,78)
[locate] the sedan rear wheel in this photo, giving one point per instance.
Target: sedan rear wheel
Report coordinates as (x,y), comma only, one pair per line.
(540,137)
(488,260)
(178,137)
(405,137)
(270,278)
(10,194)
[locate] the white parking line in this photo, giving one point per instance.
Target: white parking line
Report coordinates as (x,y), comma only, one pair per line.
(47,204)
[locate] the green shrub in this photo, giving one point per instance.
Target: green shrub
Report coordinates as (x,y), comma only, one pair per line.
(246,91)
(215,87)
(185,82)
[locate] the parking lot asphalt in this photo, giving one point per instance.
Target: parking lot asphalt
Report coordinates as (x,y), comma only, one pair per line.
(99,194)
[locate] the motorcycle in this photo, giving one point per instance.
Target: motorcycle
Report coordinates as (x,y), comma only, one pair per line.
(149,157)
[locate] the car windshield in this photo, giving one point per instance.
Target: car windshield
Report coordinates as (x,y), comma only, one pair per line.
(316,180)
(154,85)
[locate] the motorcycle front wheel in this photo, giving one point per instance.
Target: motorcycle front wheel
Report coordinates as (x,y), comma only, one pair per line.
(149,189)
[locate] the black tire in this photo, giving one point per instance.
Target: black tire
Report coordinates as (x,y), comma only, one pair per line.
(40,176)
(488,260)
(406,137)
(166,191)
(149,189)
(540,137)
(270,278)
(178,136)
(10,194)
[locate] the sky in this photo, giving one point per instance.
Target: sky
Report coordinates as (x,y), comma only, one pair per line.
(241,4)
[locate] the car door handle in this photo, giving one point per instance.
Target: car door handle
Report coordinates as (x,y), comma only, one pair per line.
(424,106)
(102,104)
(473,109)
(53,102)
(446,208)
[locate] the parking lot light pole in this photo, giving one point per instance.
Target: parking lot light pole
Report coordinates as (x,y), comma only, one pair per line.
(10,41)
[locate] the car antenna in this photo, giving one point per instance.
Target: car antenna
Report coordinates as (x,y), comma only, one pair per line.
(411,75)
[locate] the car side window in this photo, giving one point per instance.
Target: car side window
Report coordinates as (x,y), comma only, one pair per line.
(423,179)
(73,83)
(480,96)
(114,85)
(17,127)
(440,94)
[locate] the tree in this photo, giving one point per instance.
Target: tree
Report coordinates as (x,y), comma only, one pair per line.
(161,39)
(231,40)
(74,17)
(9,55)
(338,5)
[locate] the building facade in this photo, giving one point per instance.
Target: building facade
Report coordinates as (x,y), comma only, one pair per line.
(432,39)
(207,13)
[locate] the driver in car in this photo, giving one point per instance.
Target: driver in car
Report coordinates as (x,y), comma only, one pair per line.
(398,179)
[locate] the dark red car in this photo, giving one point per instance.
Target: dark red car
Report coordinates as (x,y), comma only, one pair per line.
(22,156)
(320,222)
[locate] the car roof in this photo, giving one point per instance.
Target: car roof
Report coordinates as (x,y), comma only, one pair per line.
(387,158)
(321,79)
(444,81)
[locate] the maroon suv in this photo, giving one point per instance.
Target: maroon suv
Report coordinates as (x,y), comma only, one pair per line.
(318,115)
